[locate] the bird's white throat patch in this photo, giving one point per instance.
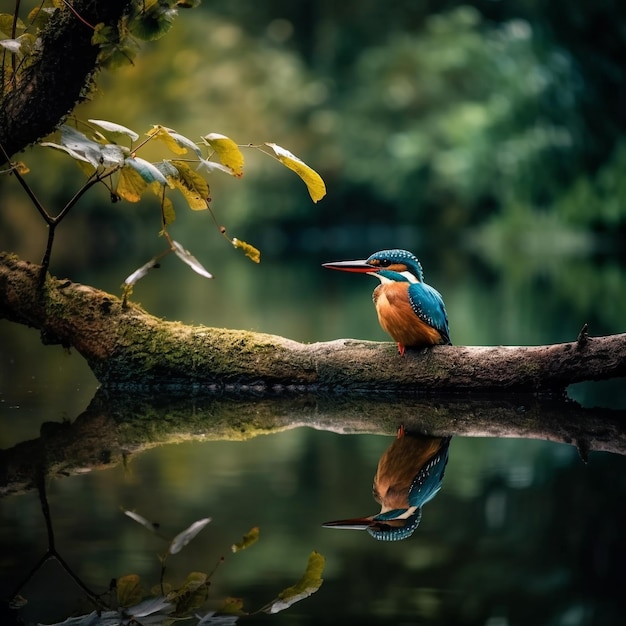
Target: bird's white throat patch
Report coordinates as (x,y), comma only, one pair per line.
(385,281)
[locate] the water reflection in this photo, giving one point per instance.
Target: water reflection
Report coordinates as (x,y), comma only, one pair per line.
(409,475)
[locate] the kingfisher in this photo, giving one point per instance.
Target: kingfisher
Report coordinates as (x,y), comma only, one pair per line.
(409,475)
(408,309)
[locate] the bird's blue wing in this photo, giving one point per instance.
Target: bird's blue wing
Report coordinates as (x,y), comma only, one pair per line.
(427,483)
(429,307)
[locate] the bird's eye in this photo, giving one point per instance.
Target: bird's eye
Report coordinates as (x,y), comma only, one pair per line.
(385,262)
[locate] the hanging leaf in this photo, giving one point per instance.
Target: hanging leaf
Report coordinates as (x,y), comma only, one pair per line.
(129,282)
(227,151)
(191,185)
(135,516)
(149,172)
(313,181)
(191,260)
(250,251)
(6,24)
(153,22)
(211,166)
(116,129)
(182,539)
(164,135)
(129,590)
(252,536)
(167,210)
(150,607)
(130,184)
(185,142)
(310,582)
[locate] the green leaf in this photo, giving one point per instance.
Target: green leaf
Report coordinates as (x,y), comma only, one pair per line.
(116,129)
(250,251)
(131,184)
(310,582)
(152,23)
(193,263)
(6,24)
(191,185)
(147,170)
(182,539)
(251,537)
(313,181)
(227,151)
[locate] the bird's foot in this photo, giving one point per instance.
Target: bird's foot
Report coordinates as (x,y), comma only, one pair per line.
(401,349)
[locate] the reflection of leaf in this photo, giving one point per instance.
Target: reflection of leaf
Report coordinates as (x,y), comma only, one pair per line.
(310,582)
(232,606)
(250,251)
(182,539)
(192,594)
(252,536)
(128,590)
(313,181)
(138,518)
(227,151)
(191,260)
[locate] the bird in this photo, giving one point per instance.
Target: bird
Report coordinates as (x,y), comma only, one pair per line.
(408,309)
(409,475)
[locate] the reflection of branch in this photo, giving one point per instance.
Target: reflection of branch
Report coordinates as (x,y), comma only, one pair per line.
(100,437)
(52,553)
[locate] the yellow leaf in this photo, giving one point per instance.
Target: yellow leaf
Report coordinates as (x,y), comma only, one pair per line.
(250,251)
(21,168)
(191,185)
(130,185)
(227,151)
(252,536)
(167,208)
(162,133)
(129,590)
(313,181)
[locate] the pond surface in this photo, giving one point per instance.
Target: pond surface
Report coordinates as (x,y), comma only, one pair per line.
(522,530)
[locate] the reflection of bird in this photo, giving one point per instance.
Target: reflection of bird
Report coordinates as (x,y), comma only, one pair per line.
(411,311)
(409,475)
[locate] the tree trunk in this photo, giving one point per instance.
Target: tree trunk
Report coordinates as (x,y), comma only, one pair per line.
(59,76)
(129,348)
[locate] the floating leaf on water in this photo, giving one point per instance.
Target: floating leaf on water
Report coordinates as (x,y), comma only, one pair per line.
(252,536)
(313,181)
(310,582)
(182,539)
(227,151)
(250,251)
(116,129)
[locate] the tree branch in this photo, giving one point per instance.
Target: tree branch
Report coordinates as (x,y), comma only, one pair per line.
(129,348)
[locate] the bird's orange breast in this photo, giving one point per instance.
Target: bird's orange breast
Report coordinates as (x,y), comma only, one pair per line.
(398,319)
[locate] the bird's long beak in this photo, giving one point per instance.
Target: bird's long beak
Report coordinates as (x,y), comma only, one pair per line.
(351,266)
(356,523)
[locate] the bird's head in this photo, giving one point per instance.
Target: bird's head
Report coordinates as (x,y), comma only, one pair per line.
(391,265)
(389,526)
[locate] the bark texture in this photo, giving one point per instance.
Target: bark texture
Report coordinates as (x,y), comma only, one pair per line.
(127,347)
(59,77)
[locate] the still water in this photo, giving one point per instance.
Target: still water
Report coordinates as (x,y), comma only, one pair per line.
(522,530)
